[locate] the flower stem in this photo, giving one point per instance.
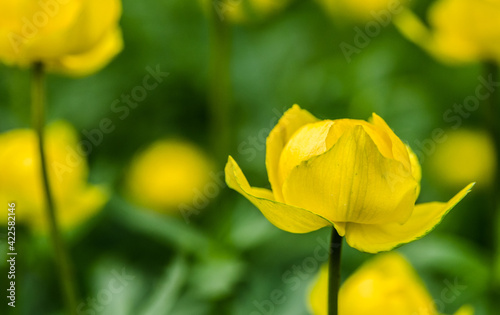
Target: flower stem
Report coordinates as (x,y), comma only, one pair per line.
(220,86)
(334,272)
(62,261)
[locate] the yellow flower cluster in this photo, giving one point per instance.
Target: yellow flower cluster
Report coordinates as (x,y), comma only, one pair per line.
(73,37)
(75,200)
(355,175)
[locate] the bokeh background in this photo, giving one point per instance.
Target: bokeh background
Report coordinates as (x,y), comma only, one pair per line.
(225,257)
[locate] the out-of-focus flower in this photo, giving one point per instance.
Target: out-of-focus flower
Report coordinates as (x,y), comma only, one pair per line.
(21,179)
(387,284)
(243,11)
(355,175)
(450,38)
(74,37)
(168,174)
(465,155)
(364,10)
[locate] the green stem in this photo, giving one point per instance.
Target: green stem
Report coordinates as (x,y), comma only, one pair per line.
(38,112)
(220,86)
(334,272)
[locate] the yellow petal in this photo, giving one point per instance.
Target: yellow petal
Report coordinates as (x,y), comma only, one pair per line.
(285,217)
(373,238)
(416,169)
(386,284)
(292,120)
(353,182)
(308,141)
(90,61)
(399,150)
(465,310)
(410,25)
(97,19)
(318,296)
(379,137)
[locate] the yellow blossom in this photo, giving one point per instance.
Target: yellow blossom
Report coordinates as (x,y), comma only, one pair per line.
(464,156)
(387,284)
(169,174)
(460,31)
(243,11)
(355,175)
(74,37)
(75,200)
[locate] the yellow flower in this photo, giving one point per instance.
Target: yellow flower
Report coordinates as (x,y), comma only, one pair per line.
(387,284)
(74,37)
(169,174)
(362,10)
(357,176)
(465,155)
(243,11)
(75,200)
(460,30)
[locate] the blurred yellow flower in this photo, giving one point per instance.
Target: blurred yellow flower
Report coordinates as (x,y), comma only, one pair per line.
(75,200)
(168,174)
(73,37)
(460,30)
(464,156)
(363,10)
(387,284)
(243,11)
(355,175)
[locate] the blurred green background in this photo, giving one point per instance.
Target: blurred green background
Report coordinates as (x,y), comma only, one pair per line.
(229,258)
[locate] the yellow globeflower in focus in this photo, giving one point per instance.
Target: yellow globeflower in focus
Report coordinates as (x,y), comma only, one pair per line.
(387,284)
(169,174)
(364,10)
(465,155)
(355,175)
(243,11)
(21,181)
(460,31)
(74,37)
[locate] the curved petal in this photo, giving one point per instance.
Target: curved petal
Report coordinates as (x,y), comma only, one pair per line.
(93,60)
(292,120)
(285,217)
(379,137)
(307,142)
(353,182)
(399,151)
(373,238)
(416,169)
